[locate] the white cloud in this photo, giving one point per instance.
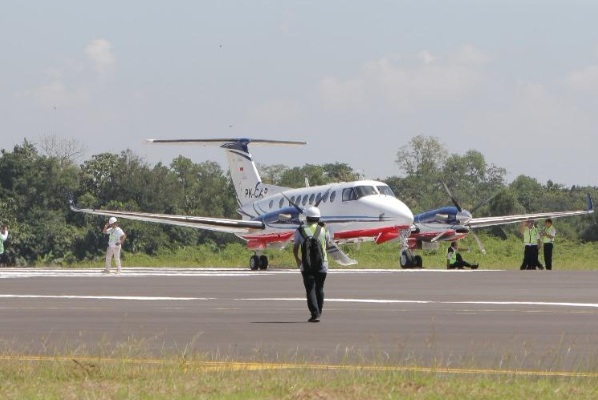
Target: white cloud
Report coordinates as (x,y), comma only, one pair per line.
(286,22)
(275,112)
(538,133)
(584,80)
(71,85)
(99,52)
(433,80)
(55,94)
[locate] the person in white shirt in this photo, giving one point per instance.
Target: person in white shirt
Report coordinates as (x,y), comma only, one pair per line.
(548,235)
(3,238)
(116,239)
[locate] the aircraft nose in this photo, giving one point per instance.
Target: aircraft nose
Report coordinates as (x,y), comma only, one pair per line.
(406,213)
(400,212)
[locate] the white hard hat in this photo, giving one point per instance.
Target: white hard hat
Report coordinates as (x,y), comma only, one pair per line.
(112,220)
(312,212)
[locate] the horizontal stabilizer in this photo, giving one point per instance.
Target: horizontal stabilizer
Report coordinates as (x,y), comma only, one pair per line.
(224,141)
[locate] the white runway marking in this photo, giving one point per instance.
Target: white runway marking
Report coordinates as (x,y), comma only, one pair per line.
(7,273)
(142,298)
(391,301)
(299,299)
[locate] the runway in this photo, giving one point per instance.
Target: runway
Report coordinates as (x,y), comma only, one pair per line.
(532,320)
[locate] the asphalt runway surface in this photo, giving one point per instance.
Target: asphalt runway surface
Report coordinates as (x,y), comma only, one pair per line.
(518,320)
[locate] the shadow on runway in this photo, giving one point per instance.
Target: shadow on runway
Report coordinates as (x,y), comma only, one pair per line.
(279,322)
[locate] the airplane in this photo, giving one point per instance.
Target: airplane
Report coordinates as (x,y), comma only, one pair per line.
(353,211)
(452,223)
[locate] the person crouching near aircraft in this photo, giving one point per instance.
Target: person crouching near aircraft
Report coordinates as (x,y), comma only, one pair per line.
(314,273)
(116,239)
(454,259)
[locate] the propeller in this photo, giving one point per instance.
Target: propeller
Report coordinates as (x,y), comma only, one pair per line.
(478,241)
(483,203)
(478,206)
(453,198)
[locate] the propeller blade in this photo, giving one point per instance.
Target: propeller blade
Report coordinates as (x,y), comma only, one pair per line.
(326,193)
(339,256)
(293,203)
(453,198)
(483,203)
(435,238)
(479,242)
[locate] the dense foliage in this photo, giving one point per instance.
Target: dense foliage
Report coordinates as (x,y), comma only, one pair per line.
(34,187)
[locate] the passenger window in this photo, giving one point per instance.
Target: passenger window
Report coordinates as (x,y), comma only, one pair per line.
(270,204)
(311,199)
(304,202)
(332,196)
(325,197)
(318,198)
(281,202)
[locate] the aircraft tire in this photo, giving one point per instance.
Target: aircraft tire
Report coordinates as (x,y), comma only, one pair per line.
(418,262)
(263,262)
(254,262)
(405,259)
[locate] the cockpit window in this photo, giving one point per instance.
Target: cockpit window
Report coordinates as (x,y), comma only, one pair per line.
(358,192)
(385,190)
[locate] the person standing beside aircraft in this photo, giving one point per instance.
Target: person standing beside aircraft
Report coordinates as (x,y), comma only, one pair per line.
(3,238)
(531,240)
(313,280)
(548,235)
(454,259)
(115,240)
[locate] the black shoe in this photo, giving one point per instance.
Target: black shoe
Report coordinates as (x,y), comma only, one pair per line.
(540,267)
(474,266)
(314,318)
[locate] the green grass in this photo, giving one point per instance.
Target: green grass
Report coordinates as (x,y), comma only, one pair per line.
(500,254)
(77,377)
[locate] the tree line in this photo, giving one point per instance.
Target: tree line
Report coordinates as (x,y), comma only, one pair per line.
(36,180)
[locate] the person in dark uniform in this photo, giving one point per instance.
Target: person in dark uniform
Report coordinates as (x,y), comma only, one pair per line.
(313,281)
(531,239)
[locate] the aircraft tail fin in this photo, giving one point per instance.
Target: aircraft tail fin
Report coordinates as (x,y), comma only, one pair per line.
(246,179)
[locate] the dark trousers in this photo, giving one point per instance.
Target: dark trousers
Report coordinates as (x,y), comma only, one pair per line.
(548,255)
(314,290)
(460,263)
(530,257)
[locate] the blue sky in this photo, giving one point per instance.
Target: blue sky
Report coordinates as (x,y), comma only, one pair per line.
(357,80)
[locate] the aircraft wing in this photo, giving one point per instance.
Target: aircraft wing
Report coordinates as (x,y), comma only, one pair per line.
(213,224)
(511,219)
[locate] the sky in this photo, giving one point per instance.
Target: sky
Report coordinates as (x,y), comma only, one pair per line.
(515,80)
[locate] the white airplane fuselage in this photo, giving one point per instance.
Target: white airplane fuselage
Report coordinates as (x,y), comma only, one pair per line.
(353,211)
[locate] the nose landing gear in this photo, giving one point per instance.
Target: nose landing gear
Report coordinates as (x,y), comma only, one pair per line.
(408,260)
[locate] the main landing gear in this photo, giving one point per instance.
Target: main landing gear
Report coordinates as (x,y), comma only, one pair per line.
(258,262)
(410,261)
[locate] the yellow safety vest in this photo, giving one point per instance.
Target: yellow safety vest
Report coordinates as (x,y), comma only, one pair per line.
(530,236)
